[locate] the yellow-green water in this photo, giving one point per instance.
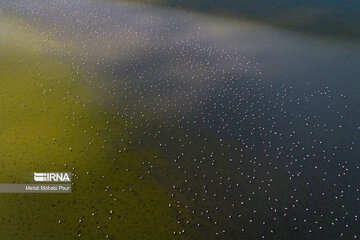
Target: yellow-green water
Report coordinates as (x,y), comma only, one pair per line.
(52,120)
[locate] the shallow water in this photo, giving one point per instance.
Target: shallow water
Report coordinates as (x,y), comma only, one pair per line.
(248,132)
(52,121)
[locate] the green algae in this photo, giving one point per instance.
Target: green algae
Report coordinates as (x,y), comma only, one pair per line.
(52,120)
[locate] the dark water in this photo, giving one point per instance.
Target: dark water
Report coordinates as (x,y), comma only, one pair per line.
(258,128)
(336,18)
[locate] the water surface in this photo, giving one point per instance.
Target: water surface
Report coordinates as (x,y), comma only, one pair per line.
(241,131)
